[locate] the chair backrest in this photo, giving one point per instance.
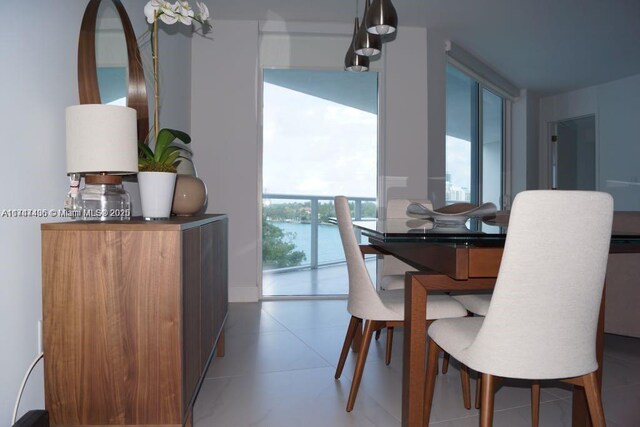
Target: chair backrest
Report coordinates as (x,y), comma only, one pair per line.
(543,316)
(397,208)
(364,301)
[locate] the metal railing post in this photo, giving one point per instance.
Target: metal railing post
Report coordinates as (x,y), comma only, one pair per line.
(314,233)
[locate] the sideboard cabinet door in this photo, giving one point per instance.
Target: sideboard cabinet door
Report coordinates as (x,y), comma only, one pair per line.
(131,313)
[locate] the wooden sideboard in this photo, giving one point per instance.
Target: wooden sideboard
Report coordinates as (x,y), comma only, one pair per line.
(132,313)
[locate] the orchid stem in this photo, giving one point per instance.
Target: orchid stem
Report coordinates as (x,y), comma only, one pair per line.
(156,89)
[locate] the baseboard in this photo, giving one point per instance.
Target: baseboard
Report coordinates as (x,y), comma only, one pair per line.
(243,294)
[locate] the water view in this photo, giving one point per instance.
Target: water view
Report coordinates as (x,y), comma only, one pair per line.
(329,245)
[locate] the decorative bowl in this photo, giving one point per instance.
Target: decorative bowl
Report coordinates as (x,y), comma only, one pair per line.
(455,214)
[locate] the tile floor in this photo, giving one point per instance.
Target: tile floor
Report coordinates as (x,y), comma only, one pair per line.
(280,361)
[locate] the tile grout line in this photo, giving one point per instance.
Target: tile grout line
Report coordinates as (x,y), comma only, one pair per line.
(304,343)
(332,365)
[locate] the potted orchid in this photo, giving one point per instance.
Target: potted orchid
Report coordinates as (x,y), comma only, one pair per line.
(157,176)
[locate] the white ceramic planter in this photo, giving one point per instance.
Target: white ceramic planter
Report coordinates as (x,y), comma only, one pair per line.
(156,194)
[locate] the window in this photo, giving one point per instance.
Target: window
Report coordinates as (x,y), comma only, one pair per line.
(474,141)
(320,139)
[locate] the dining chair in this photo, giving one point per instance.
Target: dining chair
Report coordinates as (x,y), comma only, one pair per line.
(542,320)
(476,303)
(376,309)
(392,266)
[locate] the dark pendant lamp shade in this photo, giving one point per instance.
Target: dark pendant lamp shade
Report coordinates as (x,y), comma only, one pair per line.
(353,61)
(382,18)
(366,43)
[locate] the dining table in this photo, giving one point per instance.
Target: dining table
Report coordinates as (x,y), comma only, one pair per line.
(458,257)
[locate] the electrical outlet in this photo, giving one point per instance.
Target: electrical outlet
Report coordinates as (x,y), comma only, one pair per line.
(40,344)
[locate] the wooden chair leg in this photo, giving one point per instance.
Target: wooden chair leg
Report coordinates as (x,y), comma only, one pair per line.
(478,385)
(535,403)
(592,390)
(486,400)
(387,357)
(466,389)
(445,362)
(429,322)
(351,331)
(369,327)
(378,332)
(430,383)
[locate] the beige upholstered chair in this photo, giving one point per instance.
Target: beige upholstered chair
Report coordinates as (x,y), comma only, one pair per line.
(543,316)
(376,309)
(392,266)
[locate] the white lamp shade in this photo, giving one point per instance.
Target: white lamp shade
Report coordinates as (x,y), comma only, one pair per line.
(101,138)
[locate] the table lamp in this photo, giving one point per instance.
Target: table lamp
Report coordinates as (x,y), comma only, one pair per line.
(102,145)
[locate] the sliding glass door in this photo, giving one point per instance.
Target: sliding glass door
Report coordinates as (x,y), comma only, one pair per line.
(474,141)
(319,140)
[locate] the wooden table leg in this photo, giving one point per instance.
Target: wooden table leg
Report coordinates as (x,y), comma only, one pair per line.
(580,410)
(415,335)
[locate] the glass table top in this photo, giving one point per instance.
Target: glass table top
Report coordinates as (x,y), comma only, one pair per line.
(410,229)
(474,231)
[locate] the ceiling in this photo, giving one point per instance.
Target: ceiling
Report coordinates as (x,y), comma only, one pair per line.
(356,90)
(548,46)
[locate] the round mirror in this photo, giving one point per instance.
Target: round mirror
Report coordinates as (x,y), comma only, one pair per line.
(109,64)
(112,66)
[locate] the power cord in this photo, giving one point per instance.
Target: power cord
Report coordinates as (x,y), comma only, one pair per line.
(22,386)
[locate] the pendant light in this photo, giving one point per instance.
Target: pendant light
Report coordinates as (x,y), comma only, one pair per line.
(382,18)
(367,44)
(353,61)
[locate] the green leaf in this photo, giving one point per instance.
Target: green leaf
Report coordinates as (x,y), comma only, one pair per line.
(172,158)
(166,137)
(145,150)
(167,153)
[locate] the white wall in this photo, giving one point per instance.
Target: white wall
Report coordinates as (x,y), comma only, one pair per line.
(616,106)
(226,131)
(40,81)
(436,117)
(39,50)
(405,168)
(524,143)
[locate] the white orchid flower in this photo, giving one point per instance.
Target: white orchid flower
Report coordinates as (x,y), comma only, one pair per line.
(184,12)
(151,10)
(168,13)
(204,11)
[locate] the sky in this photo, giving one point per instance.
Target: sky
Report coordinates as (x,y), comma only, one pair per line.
(458,161)
(314,146)
(317,147)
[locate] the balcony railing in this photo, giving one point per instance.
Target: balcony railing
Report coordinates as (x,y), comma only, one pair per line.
(314,223)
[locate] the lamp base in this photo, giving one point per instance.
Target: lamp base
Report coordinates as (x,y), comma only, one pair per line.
(104,199)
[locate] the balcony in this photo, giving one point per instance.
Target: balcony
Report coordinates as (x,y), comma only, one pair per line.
(305,257)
